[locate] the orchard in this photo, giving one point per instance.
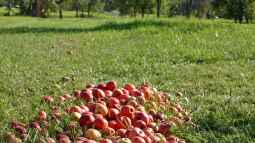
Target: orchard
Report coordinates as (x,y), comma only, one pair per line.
(105,113)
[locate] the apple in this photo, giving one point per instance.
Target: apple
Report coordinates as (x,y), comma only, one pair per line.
(138,115)
(106,141)
(164,128)
(35,125)
(67,96)
(108,93)
(140,124)
(136,93)
(127,111)
(100,123)
(87,95)
(84,108)
(63,139)
(131,132)
(75,109)
(161,137)
(101,86)
(111,85)
(124,140)
(124,121)
(93,134)
(129,87)
(42,115)
(121,132)
(77,93)
(98,93)
(108,131)
(101,109)
(86,119)
(147,139)
(115,125)
(123,98)
(76,116)
(137,139)
(132,103)
(124,91)
(113,102)
(113,113)
(48,99)
(117,93)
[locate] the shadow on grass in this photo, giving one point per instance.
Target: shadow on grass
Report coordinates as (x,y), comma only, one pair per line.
(177,26)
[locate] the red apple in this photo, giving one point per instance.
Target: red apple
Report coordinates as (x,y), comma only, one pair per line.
(130,87)
(106,141)
(142,116)
(137,139)
(131,132)
(48,99)
(147,139)
(164,128)
(113,102)
(86,119)
(136,93)
(87,95)
(113,113)
(77,93)
(108,93)
(42,115)
(98,93)
(111,85)
(101,123)
(125,91)
(124,121)
(127,111)
(115,125)
(75,109)
(121,132)
(101,86)
(123,98)
(117,92)
(140,124)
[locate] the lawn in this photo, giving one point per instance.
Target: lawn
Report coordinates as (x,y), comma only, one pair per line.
(211,62)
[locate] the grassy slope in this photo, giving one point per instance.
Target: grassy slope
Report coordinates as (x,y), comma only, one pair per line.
(212,62)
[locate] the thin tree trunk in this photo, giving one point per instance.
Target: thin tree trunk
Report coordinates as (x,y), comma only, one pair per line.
(158,7)
(89,7)
(143,11)
(60,11)
(77,12)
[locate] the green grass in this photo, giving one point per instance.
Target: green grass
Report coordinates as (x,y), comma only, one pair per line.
(211,62)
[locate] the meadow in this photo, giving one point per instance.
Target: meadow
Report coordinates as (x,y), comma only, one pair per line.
(211,62)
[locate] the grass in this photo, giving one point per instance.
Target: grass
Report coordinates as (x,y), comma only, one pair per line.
(211,62)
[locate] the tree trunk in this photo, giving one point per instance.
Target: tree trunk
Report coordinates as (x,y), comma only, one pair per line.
(82,12)
(143,11)
(76,12)
(60,12)
(89,7)
(158,7)
(39,4)
(9,8)
(135,11)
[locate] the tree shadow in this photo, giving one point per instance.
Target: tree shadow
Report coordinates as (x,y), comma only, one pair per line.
(114,26)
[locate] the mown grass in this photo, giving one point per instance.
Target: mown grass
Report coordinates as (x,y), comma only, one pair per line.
(211,62)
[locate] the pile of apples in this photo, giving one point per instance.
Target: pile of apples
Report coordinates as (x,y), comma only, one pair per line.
(104,113)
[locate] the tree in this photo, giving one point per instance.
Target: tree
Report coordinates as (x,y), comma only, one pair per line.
(60,5)
(158,7)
